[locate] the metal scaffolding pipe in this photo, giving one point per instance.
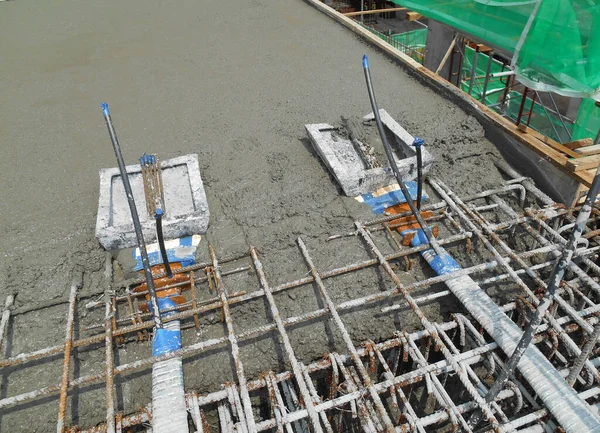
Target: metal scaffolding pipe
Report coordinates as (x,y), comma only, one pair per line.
(134,215)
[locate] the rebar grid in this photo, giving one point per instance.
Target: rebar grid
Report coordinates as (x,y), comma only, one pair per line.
(433,377)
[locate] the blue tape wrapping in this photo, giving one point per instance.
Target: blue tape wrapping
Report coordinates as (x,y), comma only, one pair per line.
(444,264)
(186,241)
(146,159)
(165,341)
(164,304)
(441,264)
(379,203)
(182,250)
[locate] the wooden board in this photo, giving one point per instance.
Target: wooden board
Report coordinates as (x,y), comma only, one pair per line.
(550,142)
(579,143)
(588,150)
(480,48)
(413,16)
(584,163)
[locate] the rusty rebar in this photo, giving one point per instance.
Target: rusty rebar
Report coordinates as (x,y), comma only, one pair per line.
(302,385)
(108,343)
(484,406)
(68,345)
(233,342)
(349,344)
(216,304)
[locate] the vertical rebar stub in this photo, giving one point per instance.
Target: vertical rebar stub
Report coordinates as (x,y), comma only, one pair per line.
(153,185)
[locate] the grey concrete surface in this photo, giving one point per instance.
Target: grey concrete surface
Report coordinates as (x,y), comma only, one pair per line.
(186,208)
(234,82)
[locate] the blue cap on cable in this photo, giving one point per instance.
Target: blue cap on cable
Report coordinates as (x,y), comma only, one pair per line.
(365,61)
(105,111)
(418,142)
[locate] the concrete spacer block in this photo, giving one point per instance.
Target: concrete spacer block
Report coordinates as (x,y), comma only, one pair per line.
(185,202)
(347,166)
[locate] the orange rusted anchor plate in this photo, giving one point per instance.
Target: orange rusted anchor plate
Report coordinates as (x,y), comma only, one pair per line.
(164,285)
(408,222)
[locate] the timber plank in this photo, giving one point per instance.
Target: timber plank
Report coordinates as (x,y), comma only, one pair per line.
(579,143)
(585,163)
(550,142)
(413,16)
(588,150)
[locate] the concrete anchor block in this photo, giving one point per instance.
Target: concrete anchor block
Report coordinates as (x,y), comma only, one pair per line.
(349,169)
(185,202)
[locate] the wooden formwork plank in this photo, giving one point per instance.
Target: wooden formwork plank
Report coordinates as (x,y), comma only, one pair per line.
(413,16)
(550,142)
(373,11)
(583,142)
(584,163)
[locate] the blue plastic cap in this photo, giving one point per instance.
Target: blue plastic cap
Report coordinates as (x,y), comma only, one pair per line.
(158,213)
(147,159)
(418,142)
(365,61)
(105,111)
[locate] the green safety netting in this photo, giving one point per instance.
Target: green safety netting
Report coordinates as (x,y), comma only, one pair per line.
(555,43)
(542,119)
(495,86)
(412,43)
(588,120)
(414,39)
